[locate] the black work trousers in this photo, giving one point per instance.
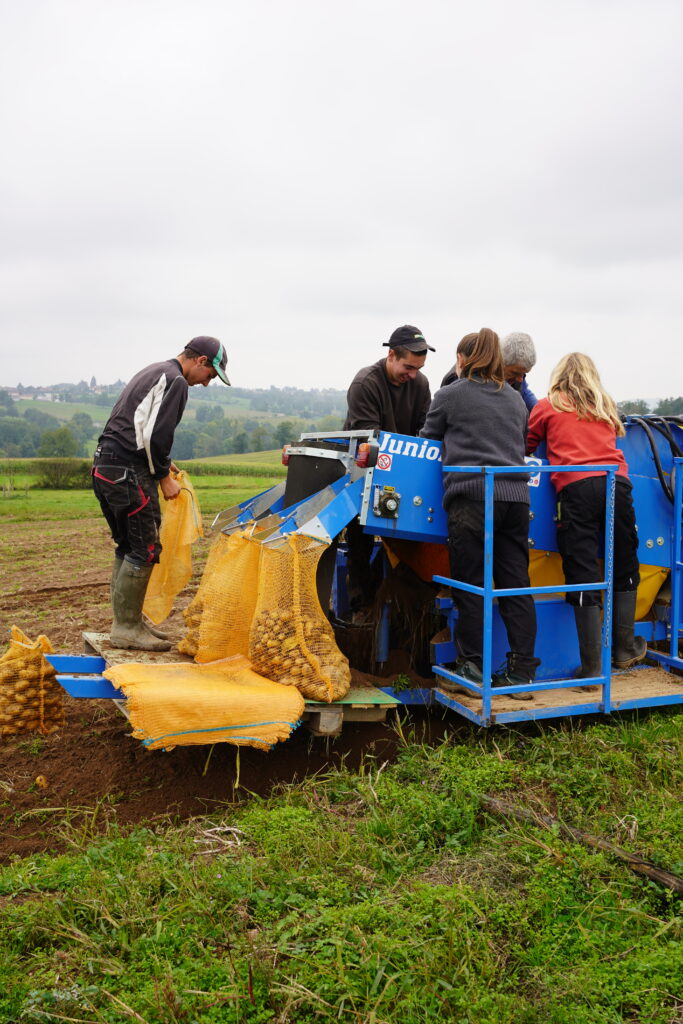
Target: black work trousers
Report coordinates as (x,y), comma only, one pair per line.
(581,532)
(129,499)
(510,569)
(364,575)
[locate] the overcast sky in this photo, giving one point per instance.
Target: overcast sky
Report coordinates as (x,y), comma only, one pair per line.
(299,178)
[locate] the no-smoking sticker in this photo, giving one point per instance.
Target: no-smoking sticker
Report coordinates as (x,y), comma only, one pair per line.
(384,461)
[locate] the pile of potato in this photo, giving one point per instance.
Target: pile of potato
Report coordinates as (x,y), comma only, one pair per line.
(31,699)
(299,652)
(193,617)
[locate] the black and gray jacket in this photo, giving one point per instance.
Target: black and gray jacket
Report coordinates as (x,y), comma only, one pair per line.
(143,421)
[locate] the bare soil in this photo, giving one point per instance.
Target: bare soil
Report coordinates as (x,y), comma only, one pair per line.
(55,580)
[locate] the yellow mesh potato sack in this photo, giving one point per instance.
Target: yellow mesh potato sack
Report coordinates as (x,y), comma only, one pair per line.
(181,525)
(31,699)
(193,613)
(291,640)
(229,600)
(222,702)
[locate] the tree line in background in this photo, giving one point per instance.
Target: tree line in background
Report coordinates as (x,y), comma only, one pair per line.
(280,415)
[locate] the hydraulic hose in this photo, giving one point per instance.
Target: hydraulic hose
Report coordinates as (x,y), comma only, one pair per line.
(642,422)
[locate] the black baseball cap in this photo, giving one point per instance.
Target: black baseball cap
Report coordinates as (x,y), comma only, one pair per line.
(214,351)
(409,337)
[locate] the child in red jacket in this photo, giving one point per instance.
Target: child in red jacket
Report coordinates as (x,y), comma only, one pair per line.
(580,425)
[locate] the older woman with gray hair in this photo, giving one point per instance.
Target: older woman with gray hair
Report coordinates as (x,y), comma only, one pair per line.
(519,356)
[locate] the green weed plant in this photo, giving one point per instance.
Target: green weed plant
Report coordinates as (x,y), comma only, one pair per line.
(372,897)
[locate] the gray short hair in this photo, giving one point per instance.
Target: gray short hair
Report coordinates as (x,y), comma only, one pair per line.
(518,350)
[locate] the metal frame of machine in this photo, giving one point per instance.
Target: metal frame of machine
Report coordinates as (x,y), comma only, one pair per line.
(393,484)
(396,491)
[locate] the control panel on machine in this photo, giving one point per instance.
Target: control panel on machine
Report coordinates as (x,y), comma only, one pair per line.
(386,502)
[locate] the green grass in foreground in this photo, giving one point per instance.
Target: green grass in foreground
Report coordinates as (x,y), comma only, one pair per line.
(380,896)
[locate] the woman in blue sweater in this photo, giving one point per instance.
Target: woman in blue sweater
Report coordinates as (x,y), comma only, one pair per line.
(482,422)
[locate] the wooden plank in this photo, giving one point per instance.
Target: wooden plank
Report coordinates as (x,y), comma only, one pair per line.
(358,696)
(99,643)
(636,684)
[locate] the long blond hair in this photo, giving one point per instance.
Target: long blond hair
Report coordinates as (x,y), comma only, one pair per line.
(575,386)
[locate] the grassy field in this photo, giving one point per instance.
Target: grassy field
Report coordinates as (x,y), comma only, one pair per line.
(381,896)
(385,895)
(213,492)
(234,481)
(271,459)
(64,410)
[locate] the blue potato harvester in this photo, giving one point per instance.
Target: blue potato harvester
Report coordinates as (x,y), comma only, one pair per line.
(393,485)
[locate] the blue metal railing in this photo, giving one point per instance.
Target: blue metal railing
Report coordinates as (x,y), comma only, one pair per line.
(488,593)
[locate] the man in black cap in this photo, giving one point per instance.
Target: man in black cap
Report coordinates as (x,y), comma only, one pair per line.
(392,394)
(132,459)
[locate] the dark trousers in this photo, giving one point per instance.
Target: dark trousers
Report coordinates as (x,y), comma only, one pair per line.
(510,569)
(364,575)
(129,501)
(581,532)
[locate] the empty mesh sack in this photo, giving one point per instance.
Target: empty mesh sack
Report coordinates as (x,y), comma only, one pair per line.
(223,702)
(31,699)
(181,525)
(291,640)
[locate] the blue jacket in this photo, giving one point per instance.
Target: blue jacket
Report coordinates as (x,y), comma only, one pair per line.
(527,394)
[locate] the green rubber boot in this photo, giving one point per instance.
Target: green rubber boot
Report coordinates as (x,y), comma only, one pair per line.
(128,631)
(115,570)
(155,631)
(150,627)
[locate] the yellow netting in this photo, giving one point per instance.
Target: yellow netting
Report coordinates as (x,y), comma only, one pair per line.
(31,700)
(181,525)
(222,702)
(194,611)
(291,640)
(228,599)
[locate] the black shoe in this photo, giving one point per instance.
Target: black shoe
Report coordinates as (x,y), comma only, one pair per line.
(627,649)
(518,672)
(589,631)
(469,670)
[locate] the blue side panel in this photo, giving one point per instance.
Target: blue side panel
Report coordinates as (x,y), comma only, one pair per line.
(556,712)
(557,644)
(653,515)
(90,687)
(413,467)
(450,702)
(332,519)
(76,662)
(647,702)
(79,675)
